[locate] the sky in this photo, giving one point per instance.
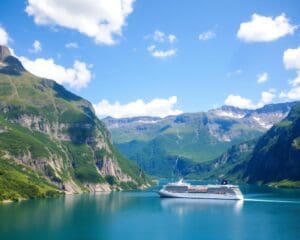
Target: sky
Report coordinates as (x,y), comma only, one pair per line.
(158,58)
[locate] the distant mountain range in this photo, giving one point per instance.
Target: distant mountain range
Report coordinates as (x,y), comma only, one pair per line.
(51,141)
(169,146)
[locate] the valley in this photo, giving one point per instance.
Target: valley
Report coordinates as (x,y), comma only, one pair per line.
(189,144)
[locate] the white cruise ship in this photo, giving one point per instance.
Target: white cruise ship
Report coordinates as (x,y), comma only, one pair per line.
(185,190)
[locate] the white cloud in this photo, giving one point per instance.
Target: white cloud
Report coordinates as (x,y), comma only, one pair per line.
(161,53)
(3,37)
(157,107)
(77,76)
(161,37)
(262,77)
(241,102)
(291,60)
(101,20)
(172,38)
(295,82)
(267,97)
(72,45)
(36,47)
(238,101)
(292,94)
(265,29)
(206,35)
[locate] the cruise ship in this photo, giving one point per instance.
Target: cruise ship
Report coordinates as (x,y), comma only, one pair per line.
(182,189)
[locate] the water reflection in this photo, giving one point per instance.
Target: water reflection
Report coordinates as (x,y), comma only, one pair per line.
(182,206)
(61,215)
(143,215)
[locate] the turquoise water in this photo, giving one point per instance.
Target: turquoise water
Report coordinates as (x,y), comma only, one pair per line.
(265,214)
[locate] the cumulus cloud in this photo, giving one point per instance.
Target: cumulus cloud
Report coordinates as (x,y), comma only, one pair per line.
(238,101)
(267,97)
(157,107)
(3,37)
(206,35)
(72,45)
(262,77)
(161,53)
(101,20)
(265,29)
(291,60)
(241,102)
(77,76)
(36,47)
(292,94)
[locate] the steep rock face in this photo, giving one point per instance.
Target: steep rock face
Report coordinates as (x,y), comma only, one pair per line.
(276,156)
(4,53)
(56,134)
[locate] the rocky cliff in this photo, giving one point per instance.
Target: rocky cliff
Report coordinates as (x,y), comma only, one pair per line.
(56,135)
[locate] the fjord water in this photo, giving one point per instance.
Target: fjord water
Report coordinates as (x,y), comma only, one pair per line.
(265,214)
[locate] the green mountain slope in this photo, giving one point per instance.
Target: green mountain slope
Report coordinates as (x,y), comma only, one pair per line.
(20,182)
(276,157)
(159,144)
(54,133)
(198,136)
(229,165)
(152,157)
(273,159)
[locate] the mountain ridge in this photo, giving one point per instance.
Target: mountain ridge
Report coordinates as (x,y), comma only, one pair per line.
(272,159)
(196,137)
(56,135)
(229,108)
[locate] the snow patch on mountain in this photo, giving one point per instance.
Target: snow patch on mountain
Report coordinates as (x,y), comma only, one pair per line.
(222,113)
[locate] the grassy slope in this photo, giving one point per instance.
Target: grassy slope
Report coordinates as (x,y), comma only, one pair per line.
(159,155)
(27,95)
(156,147)
(20,182)
(285,184)
(150,156)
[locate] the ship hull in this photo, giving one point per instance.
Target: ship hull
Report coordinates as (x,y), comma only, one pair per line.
(167,194)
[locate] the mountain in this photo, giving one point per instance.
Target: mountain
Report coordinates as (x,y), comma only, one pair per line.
(51,140)
(230,165)
(157,144)
(272,159)
(276,156)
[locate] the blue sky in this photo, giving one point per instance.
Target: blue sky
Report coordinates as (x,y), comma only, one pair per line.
(175,56)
